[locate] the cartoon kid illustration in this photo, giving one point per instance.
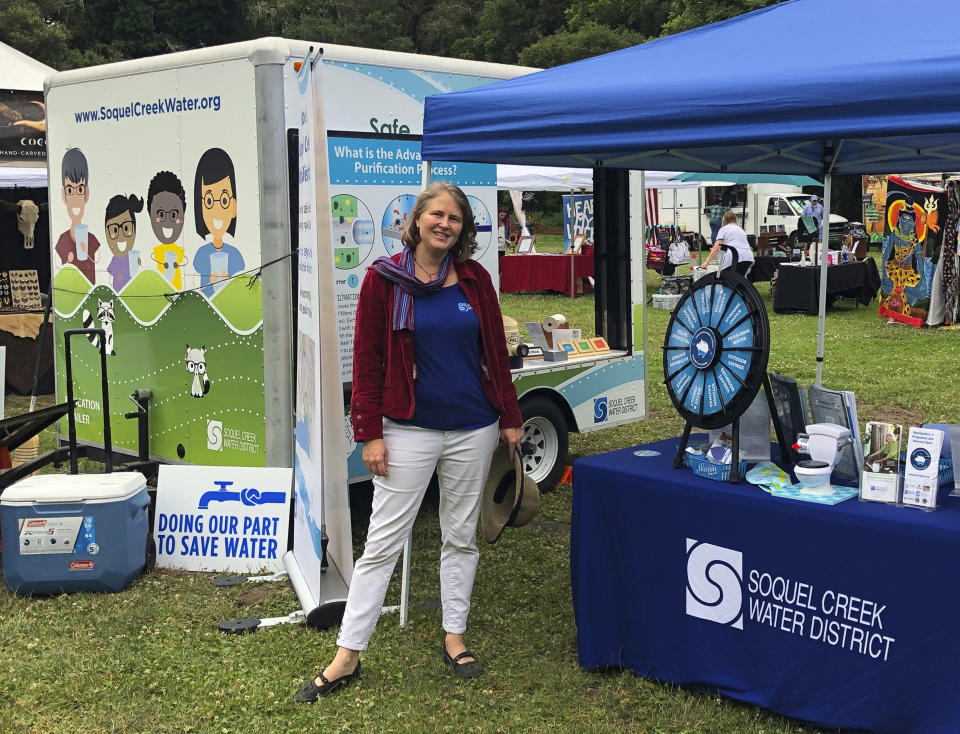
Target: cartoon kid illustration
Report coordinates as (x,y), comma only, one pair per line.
(215,215)
(167,206)
(77,245)
(120,224)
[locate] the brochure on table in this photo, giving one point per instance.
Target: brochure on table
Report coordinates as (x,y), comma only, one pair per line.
(880,481)
(922,468)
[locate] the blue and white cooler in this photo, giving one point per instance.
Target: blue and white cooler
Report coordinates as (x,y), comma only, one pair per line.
(83,532)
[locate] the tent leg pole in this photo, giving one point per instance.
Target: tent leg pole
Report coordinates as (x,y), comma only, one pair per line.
(426,173)
(825,240)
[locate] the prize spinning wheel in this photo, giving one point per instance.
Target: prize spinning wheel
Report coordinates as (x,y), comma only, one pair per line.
(715,355)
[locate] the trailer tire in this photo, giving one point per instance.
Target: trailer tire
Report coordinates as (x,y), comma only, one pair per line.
(792,240)
(545,442)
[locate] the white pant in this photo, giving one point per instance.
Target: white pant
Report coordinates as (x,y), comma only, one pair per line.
(462,461)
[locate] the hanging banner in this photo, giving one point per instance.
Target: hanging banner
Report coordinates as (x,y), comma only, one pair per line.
(23,127)
(222,518)
(912,240)
(321,504)
(577,217)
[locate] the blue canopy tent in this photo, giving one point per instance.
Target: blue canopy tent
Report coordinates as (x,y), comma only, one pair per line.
(785,89)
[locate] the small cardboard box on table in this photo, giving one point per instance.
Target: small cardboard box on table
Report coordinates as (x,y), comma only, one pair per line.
(83,532)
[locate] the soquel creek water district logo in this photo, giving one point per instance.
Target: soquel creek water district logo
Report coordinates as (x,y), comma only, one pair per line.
(718,590)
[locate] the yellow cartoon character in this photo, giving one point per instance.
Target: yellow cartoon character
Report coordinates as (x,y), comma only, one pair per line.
(167,205)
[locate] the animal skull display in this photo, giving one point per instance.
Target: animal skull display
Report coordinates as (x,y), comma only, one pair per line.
(28,212)
(27,215)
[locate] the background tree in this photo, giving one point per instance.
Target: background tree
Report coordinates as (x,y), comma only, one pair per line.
(591,39)
(687,14)
(505,27)
(645,17)
(33,27)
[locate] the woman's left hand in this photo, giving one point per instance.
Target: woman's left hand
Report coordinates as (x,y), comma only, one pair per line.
(511,437)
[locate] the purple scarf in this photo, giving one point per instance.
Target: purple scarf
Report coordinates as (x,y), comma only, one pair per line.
(406,285)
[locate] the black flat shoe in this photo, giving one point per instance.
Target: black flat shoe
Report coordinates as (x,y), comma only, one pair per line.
(471,669)
(310,691)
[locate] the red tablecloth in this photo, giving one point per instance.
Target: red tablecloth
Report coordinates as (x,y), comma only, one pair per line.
(543,272)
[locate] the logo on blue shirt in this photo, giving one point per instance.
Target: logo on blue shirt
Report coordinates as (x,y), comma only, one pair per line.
(465,306)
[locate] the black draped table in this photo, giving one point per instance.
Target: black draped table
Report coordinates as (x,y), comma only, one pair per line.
(764,266)
(798,286)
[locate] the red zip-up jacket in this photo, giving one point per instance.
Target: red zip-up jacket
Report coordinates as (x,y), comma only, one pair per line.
(383,366)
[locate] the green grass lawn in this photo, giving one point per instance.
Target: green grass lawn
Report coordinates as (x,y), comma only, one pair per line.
(150,659)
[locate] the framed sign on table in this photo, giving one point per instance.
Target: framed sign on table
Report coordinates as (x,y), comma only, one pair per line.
(525,244)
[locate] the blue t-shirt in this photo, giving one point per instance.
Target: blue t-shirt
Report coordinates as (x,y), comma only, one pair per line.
(448,389)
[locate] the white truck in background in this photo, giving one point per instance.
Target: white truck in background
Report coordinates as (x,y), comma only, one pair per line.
(773,206)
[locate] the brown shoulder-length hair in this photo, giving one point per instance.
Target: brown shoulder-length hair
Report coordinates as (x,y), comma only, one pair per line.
(467,242)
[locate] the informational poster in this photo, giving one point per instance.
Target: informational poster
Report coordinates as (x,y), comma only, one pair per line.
(577,218)
(321,503)
(308,462)
(155,222)
(374,119)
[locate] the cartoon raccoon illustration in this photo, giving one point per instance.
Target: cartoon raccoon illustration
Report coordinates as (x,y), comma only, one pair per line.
(197,364)
(106,317)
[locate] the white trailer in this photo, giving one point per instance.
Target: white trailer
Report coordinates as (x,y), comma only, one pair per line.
(757,205)
(217,211)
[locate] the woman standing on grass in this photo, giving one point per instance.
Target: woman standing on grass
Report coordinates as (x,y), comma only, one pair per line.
(431,394)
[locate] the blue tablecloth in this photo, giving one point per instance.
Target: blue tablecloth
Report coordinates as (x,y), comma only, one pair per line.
(845,616)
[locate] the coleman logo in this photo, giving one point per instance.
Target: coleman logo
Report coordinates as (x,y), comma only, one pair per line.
(715,583)
(36,523)
(81,565)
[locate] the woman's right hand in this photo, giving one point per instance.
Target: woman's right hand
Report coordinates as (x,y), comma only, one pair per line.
(375,457)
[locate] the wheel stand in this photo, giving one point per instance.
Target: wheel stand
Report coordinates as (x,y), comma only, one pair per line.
(785,454)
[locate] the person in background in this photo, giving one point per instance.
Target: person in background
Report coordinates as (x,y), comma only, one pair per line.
(815,209)
(432,390)
(503,232)
(732,235)
(716,219)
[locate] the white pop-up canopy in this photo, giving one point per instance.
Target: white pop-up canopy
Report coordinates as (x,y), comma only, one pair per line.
(517,179)
(19,71)
(549,178)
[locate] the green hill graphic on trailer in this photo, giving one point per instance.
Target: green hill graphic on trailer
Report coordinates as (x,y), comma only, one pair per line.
(201,359)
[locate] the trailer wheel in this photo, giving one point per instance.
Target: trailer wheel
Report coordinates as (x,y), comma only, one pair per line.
(545,442)
(793,239)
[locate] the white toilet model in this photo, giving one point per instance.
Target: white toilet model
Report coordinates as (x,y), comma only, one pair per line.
(823,442)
